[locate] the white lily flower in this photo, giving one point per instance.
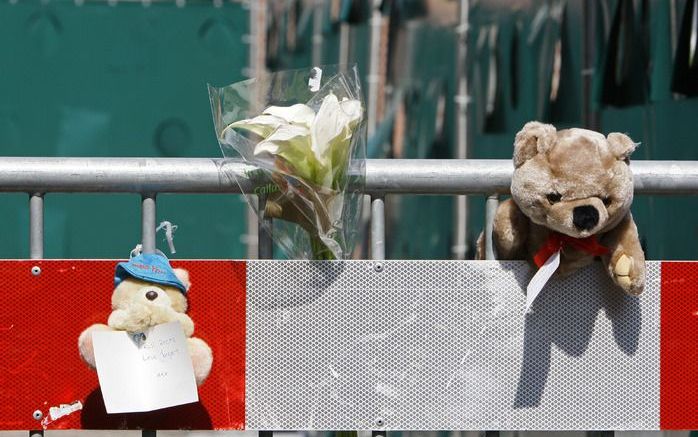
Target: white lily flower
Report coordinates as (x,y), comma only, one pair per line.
(331,134)
(274,117)
(283,137)
(315,148)
(295,114)
(316,145)
(262,125)
(292,143)
(332,127)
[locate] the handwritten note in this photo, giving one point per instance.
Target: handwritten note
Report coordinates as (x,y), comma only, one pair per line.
(144,371)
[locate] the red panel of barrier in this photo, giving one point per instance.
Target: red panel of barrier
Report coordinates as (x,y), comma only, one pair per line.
(679,346)
(43,313)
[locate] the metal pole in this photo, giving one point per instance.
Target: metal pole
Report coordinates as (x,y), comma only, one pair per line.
(373,79)
(258,44)
(590,116)
(317,32)
(373,67)
(387,176)
(148,219)
(383,176)
(490,211)
(258,37)
(460,244)
(377,227)
(36,226)
(265,244)
(344,36)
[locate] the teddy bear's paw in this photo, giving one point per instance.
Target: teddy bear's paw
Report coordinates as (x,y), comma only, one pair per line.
(136,318)
(86,348)
(201,357)
(85,345)
(187,324)
(627,276)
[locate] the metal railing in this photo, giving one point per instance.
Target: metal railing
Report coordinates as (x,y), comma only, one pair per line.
(150,176)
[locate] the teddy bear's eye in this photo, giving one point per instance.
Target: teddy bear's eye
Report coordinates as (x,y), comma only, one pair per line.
(606,200)
(553,197)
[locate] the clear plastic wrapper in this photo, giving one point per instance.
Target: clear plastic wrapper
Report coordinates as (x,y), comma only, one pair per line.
(305,132)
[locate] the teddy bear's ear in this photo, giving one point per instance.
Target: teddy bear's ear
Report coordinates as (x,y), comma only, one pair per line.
(183,276)
(621,146)
(534,138)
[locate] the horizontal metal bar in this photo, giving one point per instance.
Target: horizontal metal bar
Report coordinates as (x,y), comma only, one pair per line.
(121,175)
(438,176)
(383,176)
(493,176)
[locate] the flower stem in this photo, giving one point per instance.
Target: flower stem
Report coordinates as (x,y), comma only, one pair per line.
(320,250)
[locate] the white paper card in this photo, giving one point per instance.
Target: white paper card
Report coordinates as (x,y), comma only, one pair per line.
(541,278)
(144,371)
(315,79)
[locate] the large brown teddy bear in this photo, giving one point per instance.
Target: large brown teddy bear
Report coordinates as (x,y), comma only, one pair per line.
(571,191)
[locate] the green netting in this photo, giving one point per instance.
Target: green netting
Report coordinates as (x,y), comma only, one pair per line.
(124,80)
(663,122)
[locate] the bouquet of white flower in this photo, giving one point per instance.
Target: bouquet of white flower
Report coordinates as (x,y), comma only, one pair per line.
(303,143)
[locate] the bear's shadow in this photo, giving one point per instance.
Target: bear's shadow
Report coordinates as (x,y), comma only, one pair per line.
(190,416)
(566,317)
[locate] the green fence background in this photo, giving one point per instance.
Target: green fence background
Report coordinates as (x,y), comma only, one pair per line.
(631,92)
(123,80)
(129,80)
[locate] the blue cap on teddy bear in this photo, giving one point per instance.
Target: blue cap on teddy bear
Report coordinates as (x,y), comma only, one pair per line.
(149,267)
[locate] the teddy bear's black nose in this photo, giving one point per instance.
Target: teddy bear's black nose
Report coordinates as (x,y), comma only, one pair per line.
(585,217)
(151,295)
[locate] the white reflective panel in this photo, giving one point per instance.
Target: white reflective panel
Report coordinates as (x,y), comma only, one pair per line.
(429,345)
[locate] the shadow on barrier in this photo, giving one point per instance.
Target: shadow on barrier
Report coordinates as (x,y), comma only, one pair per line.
(189,416)
(566,318)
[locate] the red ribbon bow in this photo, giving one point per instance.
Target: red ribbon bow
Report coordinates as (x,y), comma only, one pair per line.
(557,241)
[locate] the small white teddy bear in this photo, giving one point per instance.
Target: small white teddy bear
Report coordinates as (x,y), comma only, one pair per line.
(149,292)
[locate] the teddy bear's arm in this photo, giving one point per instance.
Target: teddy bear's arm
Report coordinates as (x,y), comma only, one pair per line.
(626,260)
(132,320)
(183,319)
(510,231)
